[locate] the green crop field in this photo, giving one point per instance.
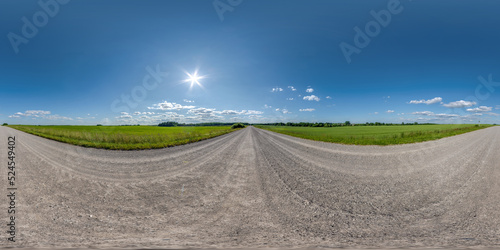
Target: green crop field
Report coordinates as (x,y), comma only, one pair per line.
(125,137)
(376,135)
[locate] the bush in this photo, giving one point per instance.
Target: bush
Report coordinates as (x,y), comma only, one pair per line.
(168,124)
(5,124)
(99,124)
(237,125)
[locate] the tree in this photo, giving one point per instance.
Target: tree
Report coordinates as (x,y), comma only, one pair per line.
(168,124)
(347,123)
(237,125)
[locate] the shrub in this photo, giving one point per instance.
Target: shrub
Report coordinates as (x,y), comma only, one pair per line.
(168,124)
(5,124)
(237,125)
(99,124)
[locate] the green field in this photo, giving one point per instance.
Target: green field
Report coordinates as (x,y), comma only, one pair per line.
(125,137)
(376,135)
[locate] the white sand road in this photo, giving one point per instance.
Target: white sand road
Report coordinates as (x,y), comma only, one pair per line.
(255,188)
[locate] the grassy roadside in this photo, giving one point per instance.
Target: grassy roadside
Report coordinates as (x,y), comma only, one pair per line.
(376,135)
(125,137)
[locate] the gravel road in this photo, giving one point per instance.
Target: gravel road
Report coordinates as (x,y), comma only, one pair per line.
(255,188)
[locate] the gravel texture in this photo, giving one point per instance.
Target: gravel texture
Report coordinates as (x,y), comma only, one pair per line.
(253,189)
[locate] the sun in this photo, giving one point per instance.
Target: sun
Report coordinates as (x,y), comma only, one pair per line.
(194,78)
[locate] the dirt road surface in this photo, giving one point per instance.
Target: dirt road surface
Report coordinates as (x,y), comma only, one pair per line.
(255,188)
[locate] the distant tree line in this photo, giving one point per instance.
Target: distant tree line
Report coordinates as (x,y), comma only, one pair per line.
(346,123)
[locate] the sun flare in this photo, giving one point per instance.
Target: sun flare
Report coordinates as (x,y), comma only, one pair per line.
(194,78)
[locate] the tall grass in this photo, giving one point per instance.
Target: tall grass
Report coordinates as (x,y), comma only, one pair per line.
(124,137)
(377,135)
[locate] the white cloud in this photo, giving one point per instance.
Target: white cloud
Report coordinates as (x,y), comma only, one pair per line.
(124,113)
(137,113)
(292,88)
(284,111)
(124,117)
(376,113)
(306,110)
(203,112)
(423,113)
(252,112)
(493,114)
(480,109)
(229,112)
(34,113)
(429,113)
(459,104)
(267,106)
(497,107)
(309,90)
(39,114)
(311,98)
(446,115)
(170,106)
(243,112)
(390,111)
(290,98)
(430,101)
(186,100)
(58,117)
(328,97)
(276,90)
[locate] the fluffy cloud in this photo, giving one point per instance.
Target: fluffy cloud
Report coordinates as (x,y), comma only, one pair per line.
(423,113)
(430,101)
(309,90)
(289,98)
(480,109)
(429,113)
(328,97)
(229,112)
(243,112)
(148,118)
(284,111)
(292,88)
(39,114)
(170,106)
(34,113)
(306,110)
(276,90)
(203,112)
(459,104)
(186,100)
(252,112)
(311,98)
(390,111)
(267,106)
(446,115)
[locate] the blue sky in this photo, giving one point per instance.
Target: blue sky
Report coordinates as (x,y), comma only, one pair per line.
(127,62)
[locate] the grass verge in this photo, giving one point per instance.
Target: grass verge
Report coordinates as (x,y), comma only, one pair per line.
(124,137)
(376,135)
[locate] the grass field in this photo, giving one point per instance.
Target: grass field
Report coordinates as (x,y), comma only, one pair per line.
(376,135)
(124,137)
